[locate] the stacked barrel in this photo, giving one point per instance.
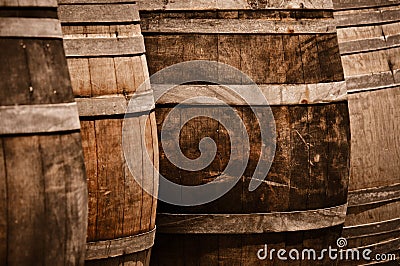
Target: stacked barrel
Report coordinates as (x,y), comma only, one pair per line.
(105,54)
(43,195)
(290,50)
(369,40)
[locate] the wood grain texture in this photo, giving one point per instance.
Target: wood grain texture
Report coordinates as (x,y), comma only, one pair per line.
(103,47)
(43,182)
(30,27)
(28,3)
(232,26)
(105,55)
(232,5)
(41,118)
(121,246)
(257,53)
(251,223)
(96,12)
(310,169)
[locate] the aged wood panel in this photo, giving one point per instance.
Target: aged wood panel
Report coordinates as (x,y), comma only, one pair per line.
(96,12)
(232,5)
(43,185)
(30,27)
(108,68)
(368,40)
(236,26)
(290,69)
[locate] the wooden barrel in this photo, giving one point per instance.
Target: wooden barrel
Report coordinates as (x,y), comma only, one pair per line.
(43,204)
(369,41)
(290,50)
(105,55)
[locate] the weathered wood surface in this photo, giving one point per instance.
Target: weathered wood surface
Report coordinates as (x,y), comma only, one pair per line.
(104,46)
(42,182)
(108,68)
(255,223)
(264,58)
(25,119)
(121,246)
(310,168)
(368,34)
(30,27)
(232,26)
(28,3)
(116,104)
(282,94)
(232,4)
(99,13)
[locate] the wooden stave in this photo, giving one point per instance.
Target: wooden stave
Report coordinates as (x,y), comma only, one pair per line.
(365,88)
(166,251)
(106,108)
(54,197)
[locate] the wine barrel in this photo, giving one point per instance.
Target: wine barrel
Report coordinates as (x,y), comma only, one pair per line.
(43,204)
(106,60)
(290,49)
(369,41)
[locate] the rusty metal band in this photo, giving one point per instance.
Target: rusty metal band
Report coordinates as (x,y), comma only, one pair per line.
(43,118)
(233,4)
(116,104)
(282,94)
(120,246)
(30,3)
(255,223)
(374,195)
(99,13)
(91,47)
(238,26)
(30,27)
(371,229)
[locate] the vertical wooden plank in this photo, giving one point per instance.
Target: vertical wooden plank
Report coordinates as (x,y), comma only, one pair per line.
(276,71)
(102,76)
(293,63)
(191,248)
(310,59)
(318,156)
(54,174)
(227,246)
(208,250)
(13,66)
(339,150)
(3,207)
(155,168)
(124,75)
(154,59)
(76,197)
(276,192)
(80,76)
(90,154)
(26,204)
(133,191)
(299,170)
(229,53)
(50,82)
(146,179)
(231,202)
(110,197)
(167,169)
(329,58)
